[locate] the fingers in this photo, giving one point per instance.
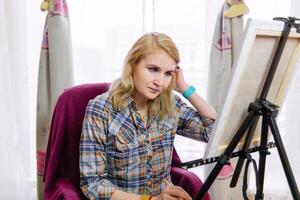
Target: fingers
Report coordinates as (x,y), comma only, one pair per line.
(178,69)
(177,193)
(180,83)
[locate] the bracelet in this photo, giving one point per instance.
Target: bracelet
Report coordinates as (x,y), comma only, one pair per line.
(189,91)
(146,197)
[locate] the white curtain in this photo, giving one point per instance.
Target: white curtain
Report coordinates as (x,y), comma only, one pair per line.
(292,121)
(17,166)
(293,110)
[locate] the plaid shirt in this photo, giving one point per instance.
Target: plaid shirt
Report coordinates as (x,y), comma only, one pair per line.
(117,151)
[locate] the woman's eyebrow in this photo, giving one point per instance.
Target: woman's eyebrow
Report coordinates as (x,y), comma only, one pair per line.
(153,65)
(173,71)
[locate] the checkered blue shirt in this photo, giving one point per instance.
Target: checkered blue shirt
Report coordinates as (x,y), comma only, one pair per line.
(119,152)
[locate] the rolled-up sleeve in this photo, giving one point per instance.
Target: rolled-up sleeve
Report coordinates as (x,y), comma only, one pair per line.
(191,124)
(93,165)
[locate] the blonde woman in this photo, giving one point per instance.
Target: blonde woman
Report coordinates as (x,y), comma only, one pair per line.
(128,132)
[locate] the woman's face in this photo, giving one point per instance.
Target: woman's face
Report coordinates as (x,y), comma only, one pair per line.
(152,75)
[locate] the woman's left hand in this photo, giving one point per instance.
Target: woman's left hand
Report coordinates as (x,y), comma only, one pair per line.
(180,84)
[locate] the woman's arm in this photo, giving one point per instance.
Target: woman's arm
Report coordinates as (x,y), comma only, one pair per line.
(203,108)
(93,165)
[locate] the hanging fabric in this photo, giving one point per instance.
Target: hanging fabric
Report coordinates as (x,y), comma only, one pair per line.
(224,51)
(55,74)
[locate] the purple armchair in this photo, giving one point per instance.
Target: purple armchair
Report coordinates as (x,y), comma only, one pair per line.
(61,173)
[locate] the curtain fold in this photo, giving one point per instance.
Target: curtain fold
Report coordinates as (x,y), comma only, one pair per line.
(55,74)
(15,155)
(292,125)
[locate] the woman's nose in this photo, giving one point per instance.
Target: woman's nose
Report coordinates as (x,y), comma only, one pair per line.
(158,80)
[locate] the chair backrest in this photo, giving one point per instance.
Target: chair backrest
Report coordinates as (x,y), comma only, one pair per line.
(62,156)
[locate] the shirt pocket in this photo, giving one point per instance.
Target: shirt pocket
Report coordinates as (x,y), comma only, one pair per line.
(126,141)
(126,154)
(168,133)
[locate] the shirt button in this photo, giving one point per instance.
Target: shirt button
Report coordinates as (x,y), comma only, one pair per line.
(150,184)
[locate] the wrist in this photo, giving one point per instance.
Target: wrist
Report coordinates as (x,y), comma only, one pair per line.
(188,92)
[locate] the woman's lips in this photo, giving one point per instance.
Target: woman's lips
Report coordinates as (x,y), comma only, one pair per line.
(155,90)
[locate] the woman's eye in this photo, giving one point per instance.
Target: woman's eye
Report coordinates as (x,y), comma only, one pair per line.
(168,73)
(152,69)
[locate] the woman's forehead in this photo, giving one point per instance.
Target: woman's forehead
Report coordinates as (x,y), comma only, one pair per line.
(161,60)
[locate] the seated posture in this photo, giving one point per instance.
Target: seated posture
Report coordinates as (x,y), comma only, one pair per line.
(128,132)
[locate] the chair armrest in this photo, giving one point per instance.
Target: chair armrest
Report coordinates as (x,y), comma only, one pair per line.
(63,189)
(189,181)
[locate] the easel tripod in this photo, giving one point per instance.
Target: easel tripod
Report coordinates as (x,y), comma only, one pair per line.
(268,111)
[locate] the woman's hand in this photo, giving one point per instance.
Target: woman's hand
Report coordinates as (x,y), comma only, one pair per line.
(173,192)
(180,84)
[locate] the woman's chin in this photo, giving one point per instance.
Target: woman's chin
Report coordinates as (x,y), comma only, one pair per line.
(152,96)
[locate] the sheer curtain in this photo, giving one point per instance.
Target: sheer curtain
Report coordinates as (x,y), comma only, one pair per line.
(18,60)
(292,125)
(16,157)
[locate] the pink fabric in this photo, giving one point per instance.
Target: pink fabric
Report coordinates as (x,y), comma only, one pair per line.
(40,156)
(61,175)
(226,172)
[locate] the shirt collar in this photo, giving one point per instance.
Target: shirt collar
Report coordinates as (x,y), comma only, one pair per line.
(130,102)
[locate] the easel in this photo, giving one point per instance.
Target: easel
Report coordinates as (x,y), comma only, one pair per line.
(268,111)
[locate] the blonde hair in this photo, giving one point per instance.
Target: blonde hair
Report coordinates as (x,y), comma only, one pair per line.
(123,87)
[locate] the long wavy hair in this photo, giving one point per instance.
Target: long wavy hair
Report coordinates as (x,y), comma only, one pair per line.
(120,89)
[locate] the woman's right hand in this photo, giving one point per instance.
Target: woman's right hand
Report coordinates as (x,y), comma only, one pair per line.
(173,192)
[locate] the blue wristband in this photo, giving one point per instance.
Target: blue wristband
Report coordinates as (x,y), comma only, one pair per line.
(189,91)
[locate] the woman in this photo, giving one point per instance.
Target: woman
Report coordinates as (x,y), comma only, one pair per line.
(128,132)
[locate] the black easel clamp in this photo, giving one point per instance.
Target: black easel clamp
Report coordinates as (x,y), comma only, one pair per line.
(291,21)
(224,160)
(260,107)
(256,107)
(270,108)
(245,154)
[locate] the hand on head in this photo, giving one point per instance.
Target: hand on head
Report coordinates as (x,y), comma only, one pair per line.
(180,84)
